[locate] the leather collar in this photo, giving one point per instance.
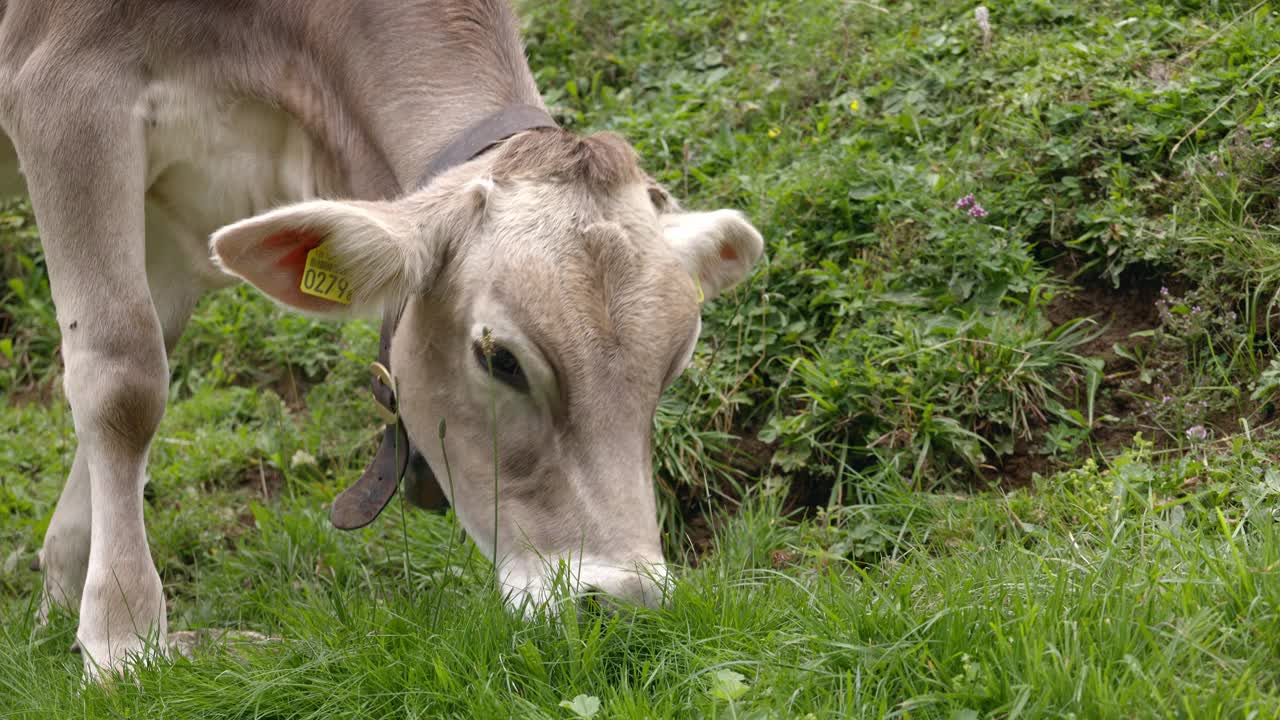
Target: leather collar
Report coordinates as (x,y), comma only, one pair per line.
(397,457)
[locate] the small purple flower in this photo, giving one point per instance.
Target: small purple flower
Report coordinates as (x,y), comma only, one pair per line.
(1197,432)
(1268,144)
(1221,173)
(966,202)
(977,211)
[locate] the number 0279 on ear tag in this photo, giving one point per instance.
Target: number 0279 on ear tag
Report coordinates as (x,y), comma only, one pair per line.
(322,277)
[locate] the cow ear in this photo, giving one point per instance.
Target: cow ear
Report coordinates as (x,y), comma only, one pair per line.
(662,200)
(718,248)
(326,257)
(339,259)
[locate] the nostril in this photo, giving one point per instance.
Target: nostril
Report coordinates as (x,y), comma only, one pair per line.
(592,601)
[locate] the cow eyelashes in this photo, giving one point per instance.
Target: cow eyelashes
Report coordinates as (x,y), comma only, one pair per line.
(503,365)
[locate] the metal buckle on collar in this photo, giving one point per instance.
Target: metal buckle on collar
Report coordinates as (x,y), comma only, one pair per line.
(382,375)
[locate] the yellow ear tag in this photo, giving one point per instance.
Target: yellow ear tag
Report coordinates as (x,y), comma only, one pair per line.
(697,282)
(322,277)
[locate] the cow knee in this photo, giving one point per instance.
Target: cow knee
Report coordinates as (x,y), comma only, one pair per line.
(118,391)
(124,408)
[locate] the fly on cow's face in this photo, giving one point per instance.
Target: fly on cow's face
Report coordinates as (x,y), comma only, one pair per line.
(502,364)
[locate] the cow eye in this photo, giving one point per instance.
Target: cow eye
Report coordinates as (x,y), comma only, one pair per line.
(504,366)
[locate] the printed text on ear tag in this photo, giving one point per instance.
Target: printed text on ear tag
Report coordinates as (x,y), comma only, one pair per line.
(322,277)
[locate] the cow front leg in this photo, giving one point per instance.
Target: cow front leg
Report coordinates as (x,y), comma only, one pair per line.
(64,556)
(82,148)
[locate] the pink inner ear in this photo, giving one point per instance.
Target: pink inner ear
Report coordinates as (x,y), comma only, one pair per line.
(727,253)
(292,246)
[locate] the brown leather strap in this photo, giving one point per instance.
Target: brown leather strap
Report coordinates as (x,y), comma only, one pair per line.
(359,504)
(483,135)
(421,488)
(384,394)
(397,458)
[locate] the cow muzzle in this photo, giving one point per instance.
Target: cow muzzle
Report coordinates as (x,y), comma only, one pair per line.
(530,586)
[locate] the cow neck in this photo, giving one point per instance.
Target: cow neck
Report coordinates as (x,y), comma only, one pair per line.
(397,458)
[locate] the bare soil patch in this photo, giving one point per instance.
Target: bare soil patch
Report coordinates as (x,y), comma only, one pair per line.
(1120,314)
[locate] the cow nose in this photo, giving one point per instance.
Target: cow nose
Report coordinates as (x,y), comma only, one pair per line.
(645,585)
(528,586)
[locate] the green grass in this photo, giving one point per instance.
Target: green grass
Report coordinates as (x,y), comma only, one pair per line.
(1096,595)
(942,506)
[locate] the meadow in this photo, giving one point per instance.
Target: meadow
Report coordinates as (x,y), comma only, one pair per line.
(991,433)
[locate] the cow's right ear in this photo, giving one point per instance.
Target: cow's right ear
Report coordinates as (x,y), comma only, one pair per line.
(326,257)
(340,259)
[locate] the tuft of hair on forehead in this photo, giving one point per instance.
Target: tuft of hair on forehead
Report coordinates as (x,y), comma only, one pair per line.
(603,161)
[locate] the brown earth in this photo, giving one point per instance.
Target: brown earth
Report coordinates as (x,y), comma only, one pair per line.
(1119,314)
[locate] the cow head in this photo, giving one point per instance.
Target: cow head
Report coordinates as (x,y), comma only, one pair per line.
(552,292)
